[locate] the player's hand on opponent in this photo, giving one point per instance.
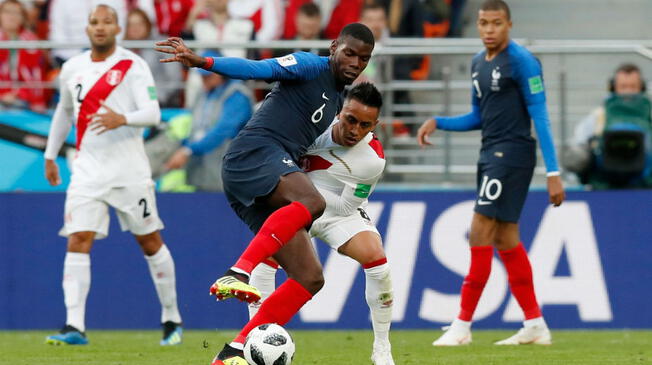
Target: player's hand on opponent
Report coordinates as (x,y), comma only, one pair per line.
(52,172)
(102,122)
(556,190)
(425,131)
(180,53)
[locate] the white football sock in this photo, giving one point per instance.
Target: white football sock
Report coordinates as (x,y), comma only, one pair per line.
(263,277)
(161,268)
(539,321)
(461,324)
(76,284)
(379,295)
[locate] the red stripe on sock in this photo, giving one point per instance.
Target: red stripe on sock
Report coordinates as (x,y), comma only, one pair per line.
(519,272)
(475,281)
(271,263)
(279,308)
(277,230)
(375,263)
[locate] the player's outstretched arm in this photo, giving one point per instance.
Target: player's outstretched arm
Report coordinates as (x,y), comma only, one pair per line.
(175,47)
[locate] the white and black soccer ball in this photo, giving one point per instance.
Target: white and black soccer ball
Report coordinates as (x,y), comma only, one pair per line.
(269,344)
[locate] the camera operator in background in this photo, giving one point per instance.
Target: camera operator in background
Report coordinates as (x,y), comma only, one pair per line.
(612,147)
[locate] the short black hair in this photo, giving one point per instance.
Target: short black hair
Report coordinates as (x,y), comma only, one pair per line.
(310,10)
(113,11)
(496,5)
(367,94)
(357,31)
(628,68)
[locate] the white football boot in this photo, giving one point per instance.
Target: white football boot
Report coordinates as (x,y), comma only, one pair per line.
(456,334)
(538,334)
(382,354)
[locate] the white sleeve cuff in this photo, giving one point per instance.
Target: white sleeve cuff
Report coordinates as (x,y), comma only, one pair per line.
(553,173)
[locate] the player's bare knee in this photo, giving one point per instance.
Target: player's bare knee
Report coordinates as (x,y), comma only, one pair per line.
(311,280)
(150,243)
(315,204)
(80,242)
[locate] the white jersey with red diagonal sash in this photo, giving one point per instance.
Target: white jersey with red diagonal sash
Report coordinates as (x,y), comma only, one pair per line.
(125,83)
(349,172)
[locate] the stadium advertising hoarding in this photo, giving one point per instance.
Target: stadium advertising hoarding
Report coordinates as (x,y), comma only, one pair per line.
(590,260)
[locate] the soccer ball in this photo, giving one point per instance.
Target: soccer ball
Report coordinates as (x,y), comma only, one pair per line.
(269,344)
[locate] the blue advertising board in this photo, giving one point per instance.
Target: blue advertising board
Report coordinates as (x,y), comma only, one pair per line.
(590,257)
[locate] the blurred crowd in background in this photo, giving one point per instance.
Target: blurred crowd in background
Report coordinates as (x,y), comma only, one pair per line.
(26,73)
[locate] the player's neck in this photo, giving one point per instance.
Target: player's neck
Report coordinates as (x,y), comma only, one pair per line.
(99,54)
(492,53)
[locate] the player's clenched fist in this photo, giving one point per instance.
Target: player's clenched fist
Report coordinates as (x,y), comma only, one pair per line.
(180,53)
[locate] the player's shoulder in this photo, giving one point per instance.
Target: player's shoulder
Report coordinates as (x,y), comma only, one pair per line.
(520,55)
(371,150)
(301,57)
(478,56)
(75,63)
(125,54)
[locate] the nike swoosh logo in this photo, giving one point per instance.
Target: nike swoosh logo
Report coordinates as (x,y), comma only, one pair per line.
(324,96)
(483,202)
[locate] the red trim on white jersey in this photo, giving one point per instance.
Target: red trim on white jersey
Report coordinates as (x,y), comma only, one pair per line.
(312,163)
(377,146)
(98,93)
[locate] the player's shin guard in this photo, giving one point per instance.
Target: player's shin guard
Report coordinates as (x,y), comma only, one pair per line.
(475,281)
(277,230)
(279,308)
(379,295)
(76,284)
(519,273)
(161,268)
(264,278)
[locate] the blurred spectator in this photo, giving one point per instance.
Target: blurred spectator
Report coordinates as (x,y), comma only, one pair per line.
(19,66)
(335,14)
(437,14)
(222,109)
(266,15)
(171,16)
(612,146)
(168,76)
(375,17)
(308,28)
(209,20)
(68,20)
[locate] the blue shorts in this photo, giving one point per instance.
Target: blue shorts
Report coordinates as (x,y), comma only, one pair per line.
(252,169)
(502,191)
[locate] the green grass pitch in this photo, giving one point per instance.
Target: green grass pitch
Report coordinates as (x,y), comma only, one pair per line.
(331,347)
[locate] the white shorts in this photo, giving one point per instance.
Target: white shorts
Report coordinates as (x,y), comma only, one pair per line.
(88,210)
(337,230)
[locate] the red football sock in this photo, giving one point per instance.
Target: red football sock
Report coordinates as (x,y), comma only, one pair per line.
(519,273)
(475,281)
(277,230)
(279,308)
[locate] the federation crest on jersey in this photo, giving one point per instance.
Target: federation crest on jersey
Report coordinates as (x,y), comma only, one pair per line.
(495,78)
(113,77)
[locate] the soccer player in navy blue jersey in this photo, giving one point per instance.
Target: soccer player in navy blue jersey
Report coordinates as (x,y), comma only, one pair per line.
(507,93)
(262,180)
